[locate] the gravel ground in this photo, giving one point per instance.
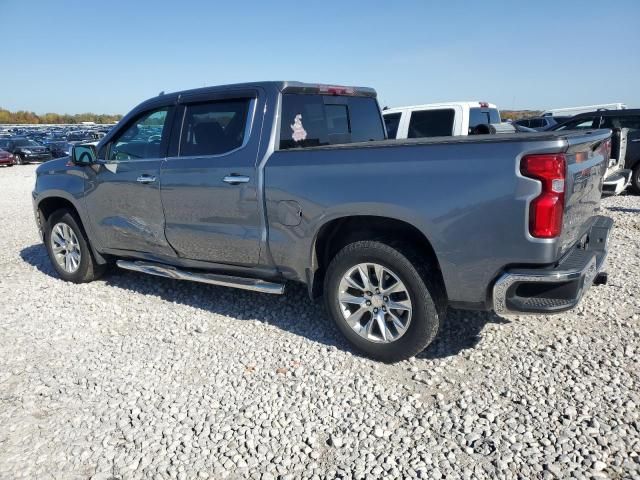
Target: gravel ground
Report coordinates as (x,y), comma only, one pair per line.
(140,377)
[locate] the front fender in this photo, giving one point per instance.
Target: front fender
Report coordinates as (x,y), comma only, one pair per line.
(58,179)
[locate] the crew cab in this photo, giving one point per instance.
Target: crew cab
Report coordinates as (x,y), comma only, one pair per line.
(258,184)
(440,119)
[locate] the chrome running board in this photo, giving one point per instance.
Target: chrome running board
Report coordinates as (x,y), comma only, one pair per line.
(168,271)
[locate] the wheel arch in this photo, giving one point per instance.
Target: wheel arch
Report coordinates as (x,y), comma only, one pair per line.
(338,232)
(52,203)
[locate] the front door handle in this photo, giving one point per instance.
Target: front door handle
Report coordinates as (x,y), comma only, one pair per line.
(236,179)
(146,179)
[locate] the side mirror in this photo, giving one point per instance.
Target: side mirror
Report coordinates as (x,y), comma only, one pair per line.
(84,154)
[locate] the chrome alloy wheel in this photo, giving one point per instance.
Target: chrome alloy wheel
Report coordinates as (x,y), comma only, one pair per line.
(65,247)
(375,303)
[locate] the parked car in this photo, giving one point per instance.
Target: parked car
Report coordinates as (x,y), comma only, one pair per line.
(538,123)
(78,136)
(59,148)
(26,150)
(253,185)
(6,158)
(624,165)
(439,119)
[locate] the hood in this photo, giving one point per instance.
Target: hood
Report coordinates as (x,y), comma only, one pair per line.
(57,164)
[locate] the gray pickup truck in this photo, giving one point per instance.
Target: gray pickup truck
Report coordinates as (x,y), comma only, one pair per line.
(253,185)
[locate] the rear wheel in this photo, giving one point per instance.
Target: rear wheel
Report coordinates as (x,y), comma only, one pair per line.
(635,180)
(383,299)
(68,249)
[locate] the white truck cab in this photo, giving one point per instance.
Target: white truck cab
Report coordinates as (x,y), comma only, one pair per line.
(439,119)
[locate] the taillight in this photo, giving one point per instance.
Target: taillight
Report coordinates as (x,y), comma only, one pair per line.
(605,148)
(545,211)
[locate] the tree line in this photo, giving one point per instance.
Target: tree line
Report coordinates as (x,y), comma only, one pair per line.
(31,118)
(518,114)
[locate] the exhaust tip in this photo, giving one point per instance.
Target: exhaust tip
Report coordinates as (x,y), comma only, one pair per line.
(601,278)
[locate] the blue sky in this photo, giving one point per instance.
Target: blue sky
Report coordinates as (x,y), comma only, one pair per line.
(105,57)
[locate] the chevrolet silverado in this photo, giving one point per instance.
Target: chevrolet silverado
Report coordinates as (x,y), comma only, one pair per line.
(253,185)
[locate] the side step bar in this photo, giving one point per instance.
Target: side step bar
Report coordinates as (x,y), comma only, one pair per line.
(167,271)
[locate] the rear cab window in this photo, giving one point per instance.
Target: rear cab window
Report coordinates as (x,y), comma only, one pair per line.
(483,116)
(313,120)
(431,123)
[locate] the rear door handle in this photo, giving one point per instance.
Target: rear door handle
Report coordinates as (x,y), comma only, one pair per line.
(236,179)
(146,179)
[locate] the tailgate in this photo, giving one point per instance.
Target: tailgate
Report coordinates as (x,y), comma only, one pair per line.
(587,157)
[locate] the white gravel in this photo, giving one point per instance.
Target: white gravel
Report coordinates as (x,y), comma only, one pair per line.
(139,377)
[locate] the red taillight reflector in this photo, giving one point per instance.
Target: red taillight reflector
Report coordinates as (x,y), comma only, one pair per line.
(546,210)
(484,104)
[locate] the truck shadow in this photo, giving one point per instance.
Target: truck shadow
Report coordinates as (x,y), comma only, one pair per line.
(624,209)
(461,330)
(293,311)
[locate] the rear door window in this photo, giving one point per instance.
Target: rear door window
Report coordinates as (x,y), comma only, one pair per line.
(392,121)
(431,123)
(580,124)
(214,128)
(310,120)
(627,121)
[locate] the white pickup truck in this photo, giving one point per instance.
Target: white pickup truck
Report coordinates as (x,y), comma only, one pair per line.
(440,119)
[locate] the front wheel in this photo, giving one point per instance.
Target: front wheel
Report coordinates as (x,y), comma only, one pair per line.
(383,299)
(19,159)
(69,250)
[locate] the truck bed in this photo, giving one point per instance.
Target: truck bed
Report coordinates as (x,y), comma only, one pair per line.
(465,194)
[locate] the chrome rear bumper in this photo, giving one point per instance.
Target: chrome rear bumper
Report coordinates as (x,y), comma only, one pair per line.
(557,288)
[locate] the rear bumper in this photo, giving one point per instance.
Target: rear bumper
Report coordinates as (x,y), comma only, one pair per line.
(617,182)
(557,288)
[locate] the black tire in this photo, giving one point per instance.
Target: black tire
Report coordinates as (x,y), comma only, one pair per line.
(427,297)
(88,269)
(19,159)
(635,180)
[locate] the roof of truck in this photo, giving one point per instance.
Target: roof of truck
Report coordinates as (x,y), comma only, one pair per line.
(282,86)
(425,106)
